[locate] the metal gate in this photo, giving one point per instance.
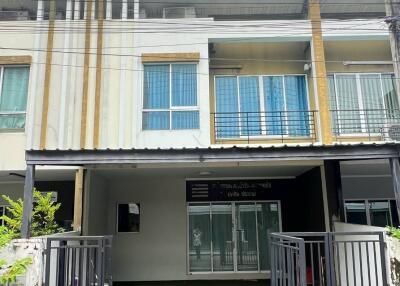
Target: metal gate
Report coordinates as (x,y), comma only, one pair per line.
(80,260)
(328,259)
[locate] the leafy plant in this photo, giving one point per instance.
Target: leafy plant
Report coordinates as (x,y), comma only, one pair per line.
(18,268)
(394,232)
(43,223)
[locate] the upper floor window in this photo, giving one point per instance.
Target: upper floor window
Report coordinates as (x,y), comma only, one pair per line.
(362,102)
(13,96)
(170,97)
(262,106)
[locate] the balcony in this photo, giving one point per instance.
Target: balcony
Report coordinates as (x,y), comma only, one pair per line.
(366,124)
(264,127)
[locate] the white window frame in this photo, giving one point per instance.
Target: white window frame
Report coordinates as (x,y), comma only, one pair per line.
(235,264)
(264,134)
(367,207)
(171,108)
(1,92)
(363,126)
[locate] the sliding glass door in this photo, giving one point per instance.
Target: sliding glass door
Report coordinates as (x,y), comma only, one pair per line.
(231,236)
(261,106)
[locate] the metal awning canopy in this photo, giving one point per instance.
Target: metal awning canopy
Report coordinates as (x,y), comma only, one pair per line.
(211,155)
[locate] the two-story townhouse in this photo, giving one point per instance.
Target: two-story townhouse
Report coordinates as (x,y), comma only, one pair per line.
(202,127)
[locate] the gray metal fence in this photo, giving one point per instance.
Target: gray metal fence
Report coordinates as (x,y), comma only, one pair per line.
(80,260)
(341,258)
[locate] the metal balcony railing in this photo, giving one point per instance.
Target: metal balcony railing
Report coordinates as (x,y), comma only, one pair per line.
(281,126)
(373,124)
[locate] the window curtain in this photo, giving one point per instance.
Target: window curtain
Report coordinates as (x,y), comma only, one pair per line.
(296,105)
(349,114)
(332,103)
(156,96)
(185,120)
(390,97)
(227,107)
(274,105)
(373,112)
(249,105)
(13,97)
(184,85)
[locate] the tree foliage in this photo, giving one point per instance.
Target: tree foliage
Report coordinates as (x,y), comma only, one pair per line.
(42,223)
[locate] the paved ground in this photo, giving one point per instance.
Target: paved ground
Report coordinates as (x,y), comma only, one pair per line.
(198,283)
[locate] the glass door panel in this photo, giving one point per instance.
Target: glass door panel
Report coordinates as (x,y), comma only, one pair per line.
(267,222)
(222,244)
(246,237)
(199,238)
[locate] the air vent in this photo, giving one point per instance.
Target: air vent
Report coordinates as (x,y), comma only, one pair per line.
(179,12)
(391,132)
(14,15)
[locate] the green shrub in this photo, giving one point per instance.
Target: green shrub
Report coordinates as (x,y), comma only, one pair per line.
(43,223)
(394,232)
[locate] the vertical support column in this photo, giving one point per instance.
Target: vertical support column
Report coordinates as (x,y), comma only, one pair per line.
(136,9)
(319,72)
(40,10)
(334,191)
(28,201)
(77,10)
(78,198)
(124,11)
(395,168)
(108,9)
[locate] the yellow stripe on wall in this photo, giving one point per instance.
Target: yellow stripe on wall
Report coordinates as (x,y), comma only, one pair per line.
(47,75)
(86,63)
(320,71)
(99,66)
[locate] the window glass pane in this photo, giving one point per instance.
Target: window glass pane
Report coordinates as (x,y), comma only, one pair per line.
(184,85)
(267,222)
(199,238)
(379,212)
(356,212)
(156,87)
(372,101)
(156,120)
(14,96)
(185,120)
(390,96)
(246,237)
(222,237)
(297,106)
(227,106)
(347,95)
(128,217)
(249,105)
(274,102)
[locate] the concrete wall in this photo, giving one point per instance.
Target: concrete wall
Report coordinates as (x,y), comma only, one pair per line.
(13,190)
(95,205)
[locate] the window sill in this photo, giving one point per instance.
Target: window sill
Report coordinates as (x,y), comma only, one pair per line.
(22,130)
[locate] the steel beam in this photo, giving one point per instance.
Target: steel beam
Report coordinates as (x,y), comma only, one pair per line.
(28,201)
(211,155)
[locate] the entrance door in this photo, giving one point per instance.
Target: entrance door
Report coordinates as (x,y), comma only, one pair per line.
(239,235)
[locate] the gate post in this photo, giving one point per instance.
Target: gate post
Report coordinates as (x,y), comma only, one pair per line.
(382,246)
